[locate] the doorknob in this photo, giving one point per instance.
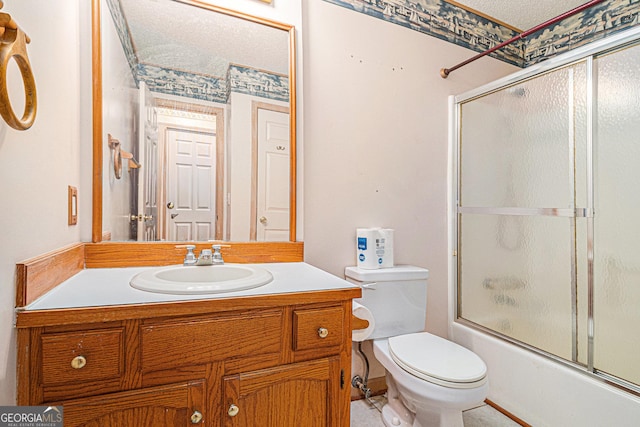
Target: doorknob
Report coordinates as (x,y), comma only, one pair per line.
(170,205)
(174,215)
(263,220)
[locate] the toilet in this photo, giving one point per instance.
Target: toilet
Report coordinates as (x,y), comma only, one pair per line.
(430,380)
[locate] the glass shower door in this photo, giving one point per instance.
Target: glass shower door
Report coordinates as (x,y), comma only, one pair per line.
(522,174)
(617,214)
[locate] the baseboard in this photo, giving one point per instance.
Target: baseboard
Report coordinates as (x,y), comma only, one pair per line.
(506,413)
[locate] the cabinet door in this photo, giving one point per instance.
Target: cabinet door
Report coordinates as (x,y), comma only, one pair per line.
(301,394)
(173,405)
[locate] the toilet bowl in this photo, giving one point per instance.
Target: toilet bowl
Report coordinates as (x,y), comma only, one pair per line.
(430,380)
(443,388)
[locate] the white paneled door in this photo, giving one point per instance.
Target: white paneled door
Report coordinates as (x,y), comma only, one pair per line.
(191,187)
(273,164)
(148,174)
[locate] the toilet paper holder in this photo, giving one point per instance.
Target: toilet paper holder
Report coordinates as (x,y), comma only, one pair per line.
(358,323)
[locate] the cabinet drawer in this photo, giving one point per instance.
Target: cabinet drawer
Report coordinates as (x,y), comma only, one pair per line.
(200,341)
(73,357)
(319,327)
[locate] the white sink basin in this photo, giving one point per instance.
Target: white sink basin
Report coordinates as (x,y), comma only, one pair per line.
(208,279)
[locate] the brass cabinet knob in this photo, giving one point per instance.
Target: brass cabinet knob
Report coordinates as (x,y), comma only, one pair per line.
(323,332)
(78,362)
(233,410)
(196,417)
(263,220)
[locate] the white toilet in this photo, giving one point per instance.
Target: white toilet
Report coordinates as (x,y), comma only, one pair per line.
(430,380)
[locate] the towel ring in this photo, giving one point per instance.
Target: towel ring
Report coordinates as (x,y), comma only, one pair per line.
(13,44)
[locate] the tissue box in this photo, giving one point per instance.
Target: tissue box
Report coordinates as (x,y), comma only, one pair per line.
(374,248)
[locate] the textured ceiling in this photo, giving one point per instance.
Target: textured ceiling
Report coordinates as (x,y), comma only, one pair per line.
(522,14)
(172,35)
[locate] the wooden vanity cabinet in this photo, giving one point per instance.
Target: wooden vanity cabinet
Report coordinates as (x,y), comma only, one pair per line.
(271,365)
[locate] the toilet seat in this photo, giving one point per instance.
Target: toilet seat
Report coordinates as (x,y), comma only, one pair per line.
(437,360)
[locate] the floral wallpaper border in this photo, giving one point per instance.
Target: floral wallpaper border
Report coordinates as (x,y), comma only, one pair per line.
(595,23)
(446,21)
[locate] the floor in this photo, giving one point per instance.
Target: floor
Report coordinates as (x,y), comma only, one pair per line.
(365,415)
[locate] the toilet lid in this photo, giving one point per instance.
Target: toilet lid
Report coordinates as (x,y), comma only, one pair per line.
(437,360)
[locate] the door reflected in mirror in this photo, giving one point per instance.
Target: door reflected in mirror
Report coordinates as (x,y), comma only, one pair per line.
(203,99)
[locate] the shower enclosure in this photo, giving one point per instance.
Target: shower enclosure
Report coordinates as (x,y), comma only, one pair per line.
(547,208)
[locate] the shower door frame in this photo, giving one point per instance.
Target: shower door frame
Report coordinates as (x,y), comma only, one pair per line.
(584,54)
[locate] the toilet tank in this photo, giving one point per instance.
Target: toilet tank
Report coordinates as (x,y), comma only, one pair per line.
(396,297)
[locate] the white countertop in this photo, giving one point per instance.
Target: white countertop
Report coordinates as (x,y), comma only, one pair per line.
(110,286)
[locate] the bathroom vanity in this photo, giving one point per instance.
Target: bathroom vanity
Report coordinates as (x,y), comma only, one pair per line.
(278,355)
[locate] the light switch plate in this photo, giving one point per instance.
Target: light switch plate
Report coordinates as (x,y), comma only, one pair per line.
(73,205)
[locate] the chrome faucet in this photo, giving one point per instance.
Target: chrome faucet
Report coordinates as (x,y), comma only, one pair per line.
(206,257)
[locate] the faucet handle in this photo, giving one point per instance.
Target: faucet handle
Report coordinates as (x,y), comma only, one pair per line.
(190,257)
(217,255)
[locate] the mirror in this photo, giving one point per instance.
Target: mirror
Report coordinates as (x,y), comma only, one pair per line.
(199,101)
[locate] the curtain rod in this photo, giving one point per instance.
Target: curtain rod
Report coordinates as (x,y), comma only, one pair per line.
(444,72)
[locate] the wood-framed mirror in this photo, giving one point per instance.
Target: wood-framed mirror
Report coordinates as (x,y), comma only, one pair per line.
(237,111)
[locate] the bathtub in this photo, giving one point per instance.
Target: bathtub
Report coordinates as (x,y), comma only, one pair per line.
(543,392)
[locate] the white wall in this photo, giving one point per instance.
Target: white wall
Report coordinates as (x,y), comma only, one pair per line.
(37,165)
(375,140)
